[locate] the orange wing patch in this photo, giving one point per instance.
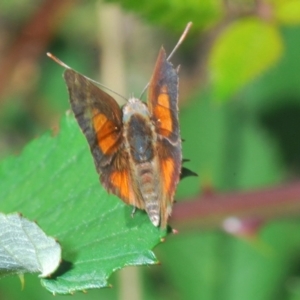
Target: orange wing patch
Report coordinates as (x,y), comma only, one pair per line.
(106,132)
(167,174)
(163,97)
(121,186)
(163,113)
(168,168)
(120,180)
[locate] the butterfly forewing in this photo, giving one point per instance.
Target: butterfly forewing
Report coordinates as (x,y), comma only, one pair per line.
(98,115)
(163,98)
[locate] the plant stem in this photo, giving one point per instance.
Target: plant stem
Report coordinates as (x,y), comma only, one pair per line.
(210,210)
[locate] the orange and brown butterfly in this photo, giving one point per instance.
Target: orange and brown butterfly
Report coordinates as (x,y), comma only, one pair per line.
(136,148)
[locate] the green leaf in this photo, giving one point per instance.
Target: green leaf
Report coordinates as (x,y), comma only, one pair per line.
(287,12)
(176,14)
(54,182)
(243,51)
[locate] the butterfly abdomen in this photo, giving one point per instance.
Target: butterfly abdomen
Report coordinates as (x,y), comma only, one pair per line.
(149,187)
(140,137)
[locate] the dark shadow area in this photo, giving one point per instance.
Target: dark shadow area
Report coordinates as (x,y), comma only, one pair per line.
(65,266)
(283,123)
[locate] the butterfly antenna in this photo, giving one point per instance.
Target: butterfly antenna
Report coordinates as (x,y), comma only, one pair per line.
(57,60)
(181,39)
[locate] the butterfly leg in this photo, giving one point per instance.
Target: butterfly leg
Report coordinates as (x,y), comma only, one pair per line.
(133,212)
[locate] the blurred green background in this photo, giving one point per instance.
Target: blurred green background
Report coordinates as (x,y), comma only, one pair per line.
(239,114)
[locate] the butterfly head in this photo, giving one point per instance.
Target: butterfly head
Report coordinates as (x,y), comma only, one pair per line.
(134,106)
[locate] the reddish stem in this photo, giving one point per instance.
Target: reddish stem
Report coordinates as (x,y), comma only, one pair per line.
(211,210)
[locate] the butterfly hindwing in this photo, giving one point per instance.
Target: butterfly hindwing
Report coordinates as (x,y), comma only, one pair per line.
(170,165)
(117,180)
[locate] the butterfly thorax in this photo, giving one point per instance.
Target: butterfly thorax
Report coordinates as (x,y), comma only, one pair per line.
(140,140)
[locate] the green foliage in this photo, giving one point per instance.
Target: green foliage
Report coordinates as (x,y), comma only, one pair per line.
(54,182)
(224,267)
(287,12)
(232,146)
(241,52)
(176,14)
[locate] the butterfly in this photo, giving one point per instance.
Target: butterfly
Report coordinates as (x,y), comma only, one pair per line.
(136,148)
